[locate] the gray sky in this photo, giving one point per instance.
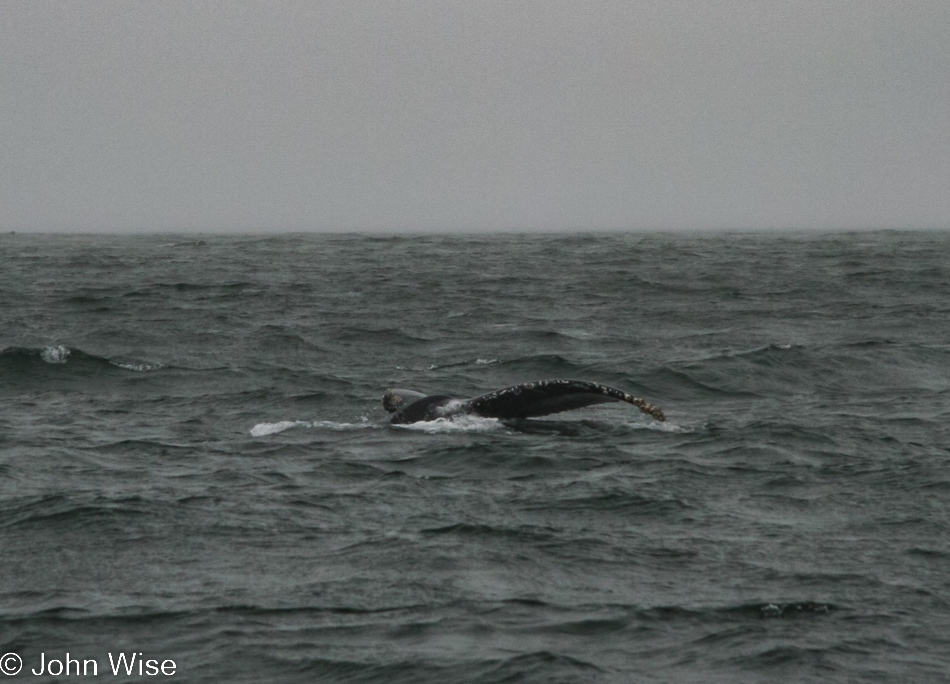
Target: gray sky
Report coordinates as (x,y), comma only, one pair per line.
(147,115)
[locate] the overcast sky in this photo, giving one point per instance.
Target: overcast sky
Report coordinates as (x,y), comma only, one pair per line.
(442,115)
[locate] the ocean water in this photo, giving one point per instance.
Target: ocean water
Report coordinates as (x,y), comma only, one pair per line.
(195,467)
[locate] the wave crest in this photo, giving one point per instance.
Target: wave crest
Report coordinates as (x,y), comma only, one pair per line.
(25,359)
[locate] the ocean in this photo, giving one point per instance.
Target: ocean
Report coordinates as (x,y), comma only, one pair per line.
(197,481)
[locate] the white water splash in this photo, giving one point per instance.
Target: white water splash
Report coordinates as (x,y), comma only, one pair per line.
(138,367)
(55,354)
(456,424)
(263,429)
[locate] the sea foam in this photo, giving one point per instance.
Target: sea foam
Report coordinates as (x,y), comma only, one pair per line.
(263,429)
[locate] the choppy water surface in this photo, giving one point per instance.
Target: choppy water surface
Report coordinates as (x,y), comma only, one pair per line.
(193,464)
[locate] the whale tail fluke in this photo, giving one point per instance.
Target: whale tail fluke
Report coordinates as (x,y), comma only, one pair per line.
(527,400)
(544,397)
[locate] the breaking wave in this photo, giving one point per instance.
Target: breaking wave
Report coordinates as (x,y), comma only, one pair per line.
(26,359)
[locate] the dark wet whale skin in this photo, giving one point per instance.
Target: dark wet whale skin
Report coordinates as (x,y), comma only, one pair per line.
(527,400)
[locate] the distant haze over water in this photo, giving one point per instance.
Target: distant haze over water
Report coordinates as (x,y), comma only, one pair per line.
(483,115)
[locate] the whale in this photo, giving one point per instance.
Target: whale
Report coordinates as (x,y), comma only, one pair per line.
(527,400)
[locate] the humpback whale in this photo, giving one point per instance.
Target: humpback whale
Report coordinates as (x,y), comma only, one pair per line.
(527,400)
